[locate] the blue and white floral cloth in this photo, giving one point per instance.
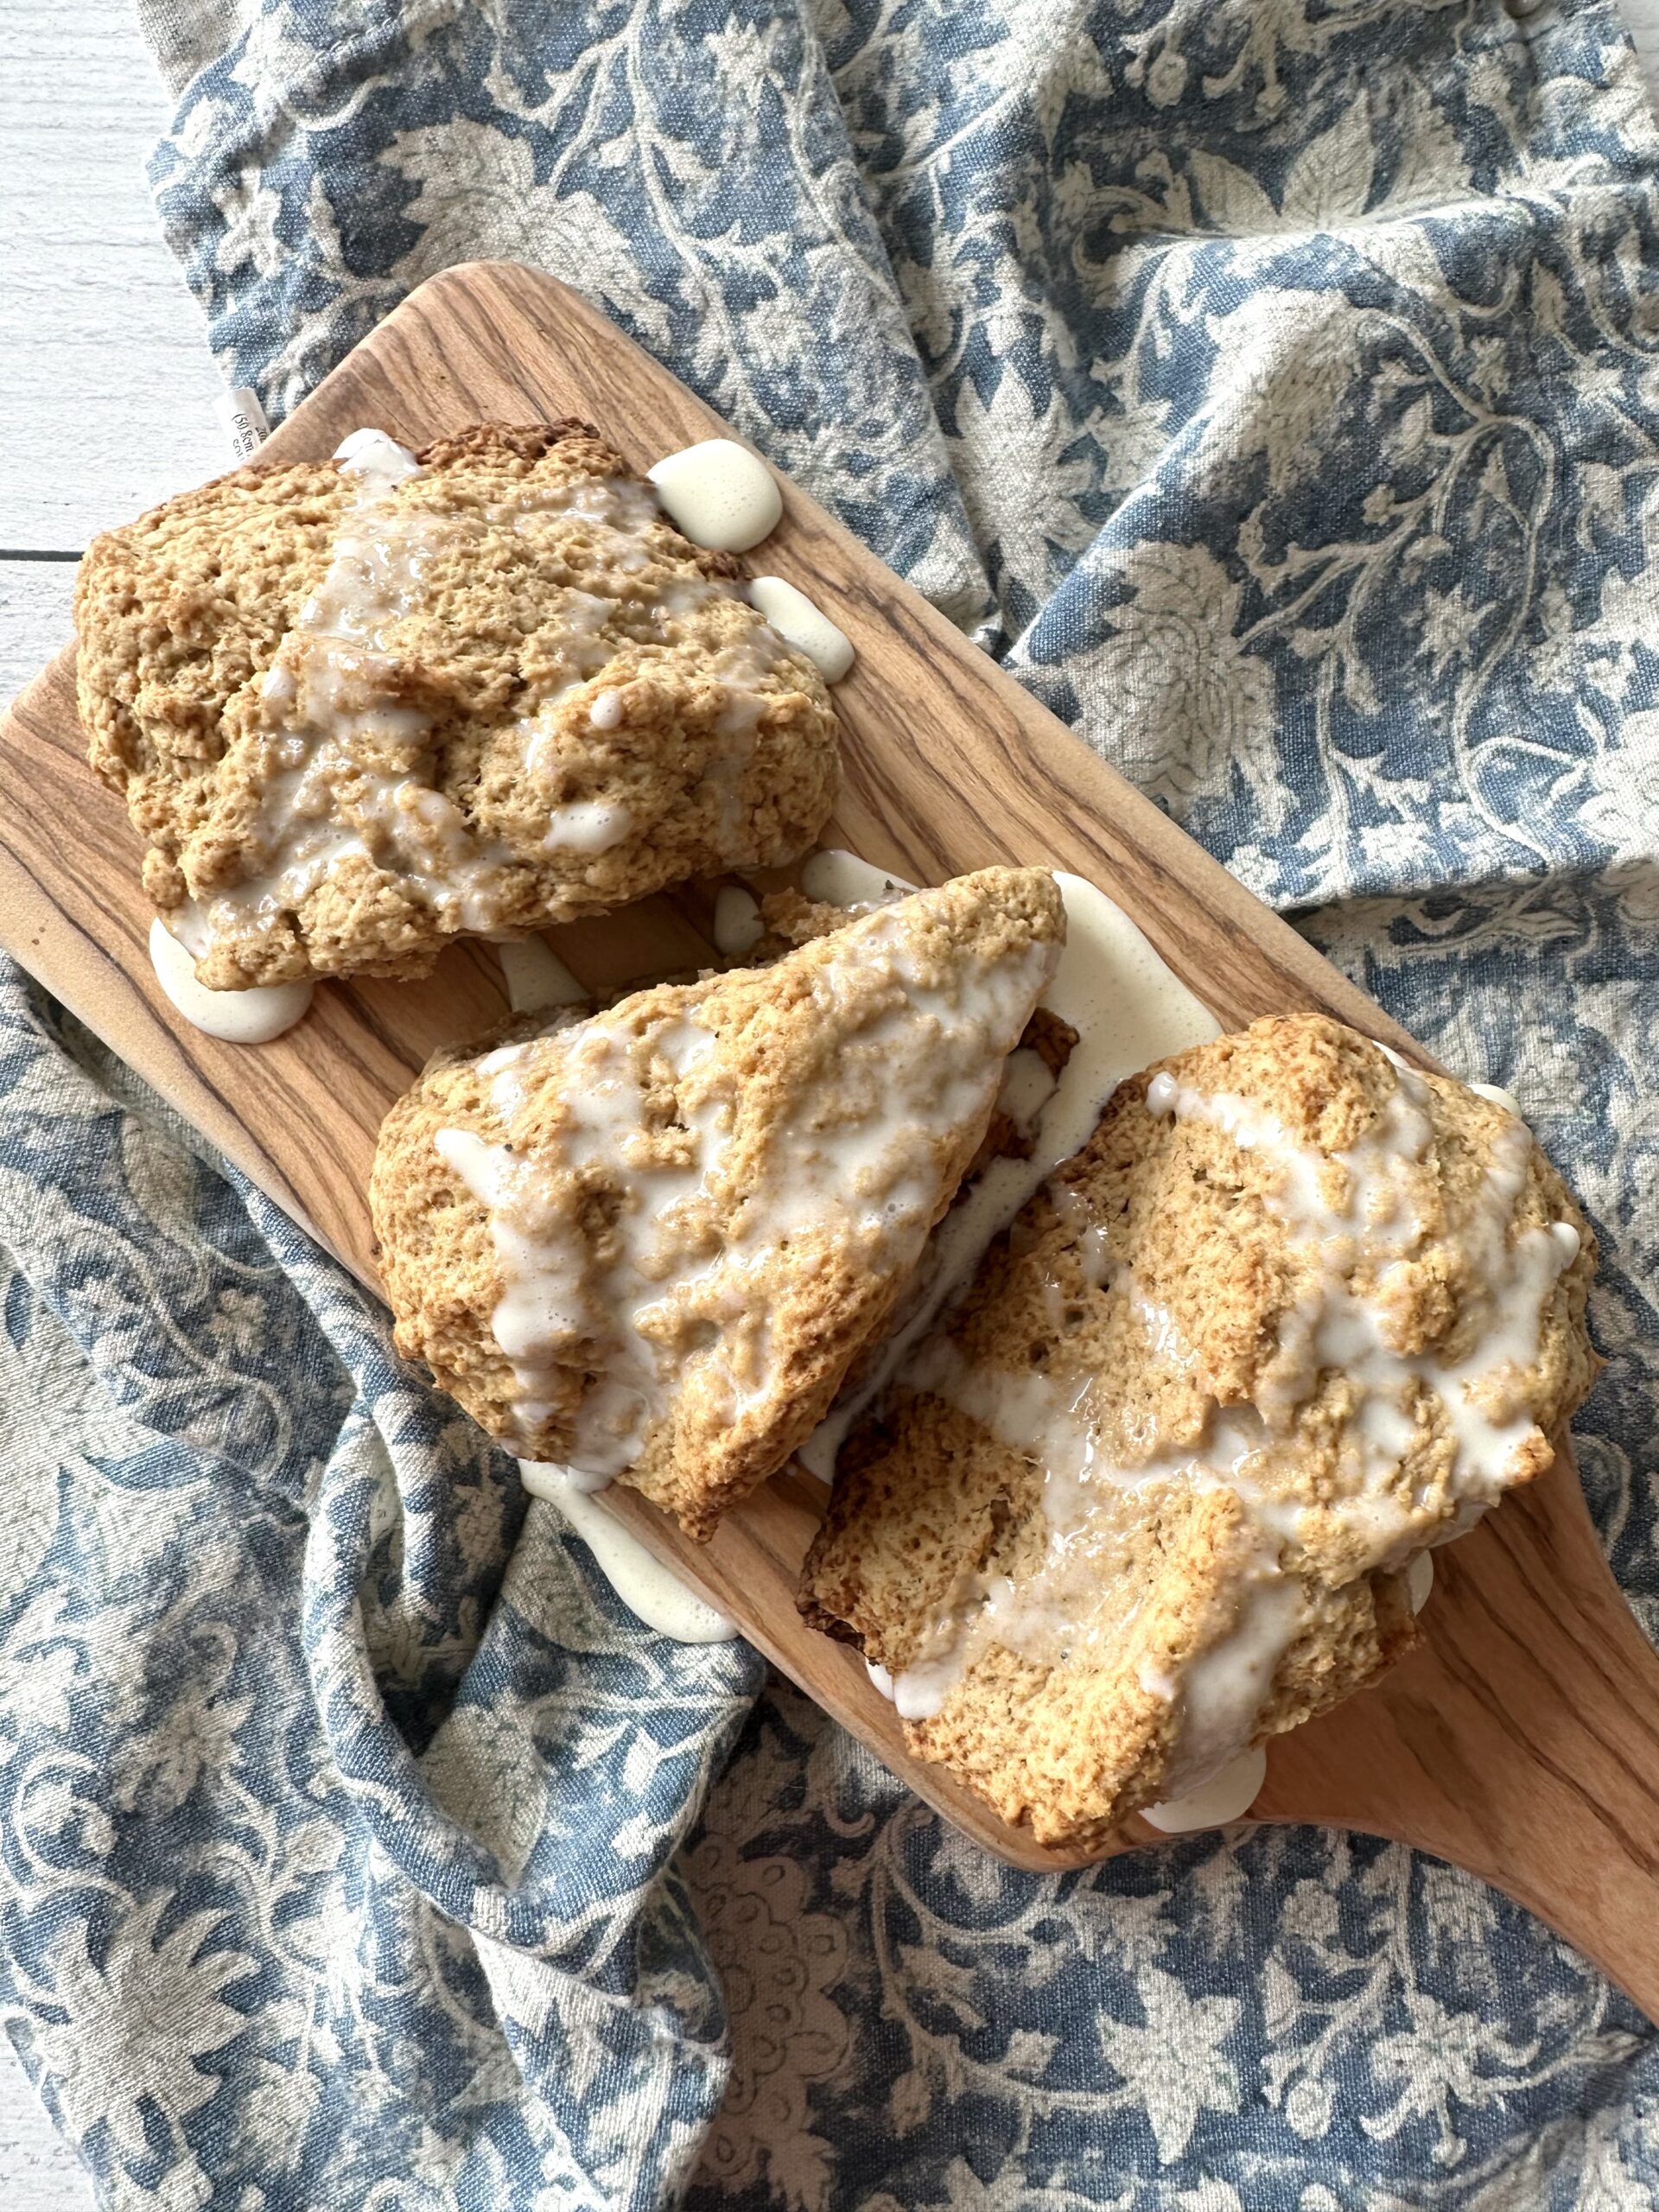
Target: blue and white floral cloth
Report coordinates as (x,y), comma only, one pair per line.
(1272,384)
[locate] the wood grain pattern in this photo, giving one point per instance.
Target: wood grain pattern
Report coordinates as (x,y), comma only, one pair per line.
(1522,1744)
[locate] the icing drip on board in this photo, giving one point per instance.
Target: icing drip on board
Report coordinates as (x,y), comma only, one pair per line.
(737,926)
(537,979)
(1496,1096)
(1227,1796)
(719,494)
(805,626)
(1420,1581)
(239,1017)
(834,878)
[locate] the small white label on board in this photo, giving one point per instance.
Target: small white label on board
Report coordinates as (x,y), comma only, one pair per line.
(242,421)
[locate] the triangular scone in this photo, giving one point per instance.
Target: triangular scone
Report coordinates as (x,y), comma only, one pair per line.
(357,707)
(650,1244)
(1293,1314)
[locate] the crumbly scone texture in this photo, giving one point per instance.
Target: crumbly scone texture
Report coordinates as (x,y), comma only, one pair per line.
(180,616)
(929,1503)
(792,920)
(786,1037)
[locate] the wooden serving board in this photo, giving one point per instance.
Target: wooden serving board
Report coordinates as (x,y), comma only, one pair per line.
(1522,1741)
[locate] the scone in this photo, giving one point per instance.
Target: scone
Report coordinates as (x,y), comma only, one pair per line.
(650,1244)
(359,707)
(1147,1494)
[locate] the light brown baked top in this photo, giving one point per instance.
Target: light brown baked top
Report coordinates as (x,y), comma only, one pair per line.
(1293,1314)
(650,1244)
(355,713)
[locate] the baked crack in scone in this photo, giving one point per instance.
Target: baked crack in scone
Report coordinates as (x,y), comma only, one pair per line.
(359,707)
(650,1244)
(1147,1493)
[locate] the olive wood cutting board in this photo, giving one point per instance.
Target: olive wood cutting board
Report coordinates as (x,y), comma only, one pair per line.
(1522,1740)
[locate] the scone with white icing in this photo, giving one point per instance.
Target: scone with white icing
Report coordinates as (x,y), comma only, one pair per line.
(359,707)
(649,1244)
(1147,1495)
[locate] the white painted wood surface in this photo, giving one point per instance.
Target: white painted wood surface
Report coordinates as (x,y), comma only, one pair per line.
(106,391)
(107,388)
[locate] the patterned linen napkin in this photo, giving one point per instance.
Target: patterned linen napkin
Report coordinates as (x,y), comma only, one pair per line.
(1271,384)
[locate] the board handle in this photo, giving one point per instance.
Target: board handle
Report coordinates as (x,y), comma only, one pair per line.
(1520,1741)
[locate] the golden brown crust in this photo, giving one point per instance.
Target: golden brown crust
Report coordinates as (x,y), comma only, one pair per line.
(1154,1275)
(180,616)
(780,1045)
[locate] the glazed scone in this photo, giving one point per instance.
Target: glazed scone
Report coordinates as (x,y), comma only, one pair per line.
(650,1244)
(1148,1494)
(1042,1052)
(359,707)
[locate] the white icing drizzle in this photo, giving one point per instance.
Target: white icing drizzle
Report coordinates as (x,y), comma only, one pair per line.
(536,978)
(805,626)
(719,494)
(1126,1007)
(351,766)
(1341,1212)
(1371,1215)
(738,924)
(1223,1687)
(1226,1796)
(588,825)
(1049,1612)
(645,1586)
(239,1017)
(1159,1324)
(676,1291)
